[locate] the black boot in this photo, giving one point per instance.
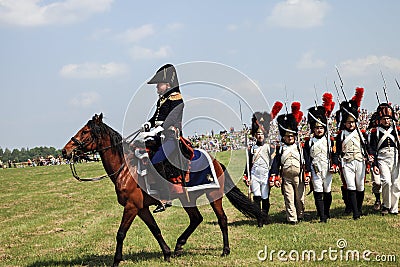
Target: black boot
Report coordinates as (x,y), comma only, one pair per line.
(257,201)
(265,208)
(319,204)
(353,202)
(377,204)
(360,200)
(163,188)
(327,204)
(345,197)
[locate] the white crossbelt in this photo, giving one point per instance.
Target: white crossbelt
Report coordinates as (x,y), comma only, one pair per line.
(386,134)
(261,154)
(350,137)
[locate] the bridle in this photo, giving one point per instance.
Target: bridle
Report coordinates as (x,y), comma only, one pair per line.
(81,146)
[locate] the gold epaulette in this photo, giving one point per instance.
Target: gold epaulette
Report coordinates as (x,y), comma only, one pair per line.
(175,96)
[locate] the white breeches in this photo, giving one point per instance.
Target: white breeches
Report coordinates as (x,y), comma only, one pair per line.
(354,174)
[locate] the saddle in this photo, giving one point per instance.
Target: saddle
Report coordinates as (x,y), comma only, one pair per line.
(172,171)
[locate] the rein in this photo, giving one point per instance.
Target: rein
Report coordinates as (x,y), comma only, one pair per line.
(82,145)
(76,176)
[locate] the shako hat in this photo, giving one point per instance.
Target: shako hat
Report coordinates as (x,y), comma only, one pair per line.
(385,110)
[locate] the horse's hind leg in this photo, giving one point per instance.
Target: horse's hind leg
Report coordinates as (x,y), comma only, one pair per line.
(223,224)
(195,219)
(130,212)
(151,223)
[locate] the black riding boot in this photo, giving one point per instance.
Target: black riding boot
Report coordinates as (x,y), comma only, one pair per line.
(377,204)
(319,204)
(162,185)
(327,204)
(360,200)
(265,208)
(345,197)
(353,202)
(257,201)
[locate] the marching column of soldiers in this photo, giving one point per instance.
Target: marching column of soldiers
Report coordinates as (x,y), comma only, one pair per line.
(292,165)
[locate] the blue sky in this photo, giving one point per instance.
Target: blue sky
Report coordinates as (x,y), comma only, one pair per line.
(63,61)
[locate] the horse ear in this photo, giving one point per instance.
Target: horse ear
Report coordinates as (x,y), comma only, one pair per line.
(101,117)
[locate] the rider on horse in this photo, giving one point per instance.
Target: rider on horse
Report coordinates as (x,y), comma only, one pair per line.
(167,120)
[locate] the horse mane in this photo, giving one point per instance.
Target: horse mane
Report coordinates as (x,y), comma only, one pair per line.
(100,129)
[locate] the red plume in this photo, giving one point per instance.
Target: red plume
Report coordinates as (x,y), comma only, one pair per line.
(297,114)
(328,104)
(358,96)
(275,109)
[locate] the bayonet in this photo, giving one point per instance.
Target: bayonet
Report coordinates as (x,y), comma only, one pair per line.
(341,83)
(384,88)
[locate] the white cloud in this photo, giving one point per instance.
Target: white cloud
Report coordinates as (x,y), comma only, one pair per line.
(298,13)
(362,66)
(135,35)
(32,13)
(138,52)
(85,99)
(93,70)
(308,62)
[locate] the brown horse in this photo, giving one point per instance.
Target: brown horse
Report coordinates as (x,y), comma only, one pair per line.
(97,136)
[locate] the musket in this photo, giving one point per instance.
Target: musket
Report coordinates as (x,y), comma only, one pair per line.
(384,88)
(247,152)
(377,98)
(315,99)
(398,86)
(337,91)
(341,83)
(363,145)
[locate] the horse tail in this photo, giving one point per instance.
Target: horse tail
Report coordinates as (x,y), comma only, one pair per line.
(239,200)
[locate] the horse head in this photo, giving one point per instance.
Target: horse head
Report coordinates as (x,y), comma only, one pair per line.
(86,139)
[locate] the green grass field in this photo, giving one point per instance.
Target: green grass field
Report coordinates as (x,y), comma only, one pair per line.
(50,219)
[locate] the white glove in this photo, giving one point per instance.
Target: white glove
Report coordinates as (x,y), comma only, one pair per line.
(145,126)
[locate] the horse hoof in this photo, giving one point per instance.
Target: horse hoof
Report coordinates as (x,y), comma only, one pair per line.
(178,253)
(226,252)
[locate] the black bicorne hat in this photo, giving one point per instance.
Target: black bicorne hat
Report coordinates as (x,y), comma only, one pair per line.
(166,74)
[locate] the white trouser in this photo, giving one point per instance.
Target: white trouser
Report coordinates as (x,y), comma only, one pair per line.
(322,180)
(259,182)
(388,162)
(354,174)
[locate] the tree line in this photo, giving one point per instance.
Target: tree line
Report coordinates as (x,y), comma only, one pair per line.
(25,153)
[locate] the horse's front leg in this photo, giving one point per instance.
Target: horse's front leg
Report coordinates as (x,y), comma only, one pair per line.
(130,212)
(195,219)
(151,223)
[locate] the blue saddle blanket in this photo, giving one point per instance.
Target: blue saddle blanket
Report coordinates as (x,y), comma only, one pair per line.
(202,172)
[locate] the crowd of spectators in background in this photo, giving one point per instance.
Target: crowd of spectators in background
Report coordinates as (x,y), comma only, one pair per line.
(211,142)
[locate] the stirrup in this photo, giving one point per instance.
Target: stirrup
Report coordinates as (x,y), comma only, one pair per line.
(162,206)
